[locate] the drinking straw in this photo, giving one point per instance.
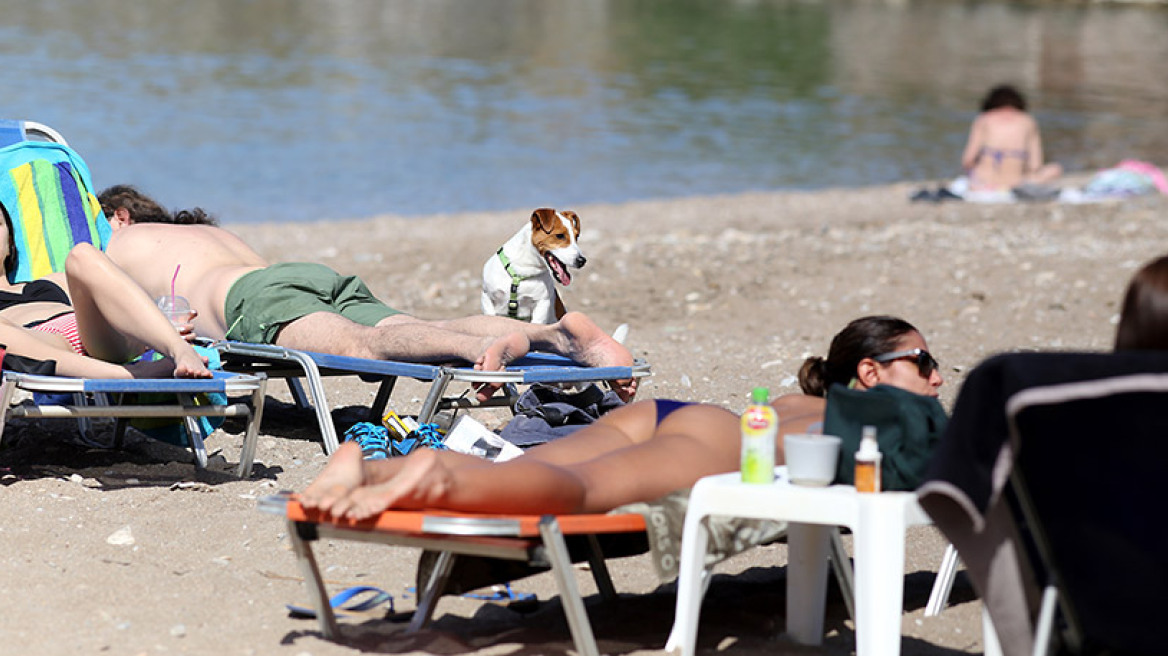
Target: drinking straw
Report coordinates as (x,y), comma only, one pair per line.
(172,281)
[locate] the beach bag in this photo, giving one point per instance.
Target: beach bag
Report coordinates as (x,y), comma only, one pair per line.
(908,428)
(22,365)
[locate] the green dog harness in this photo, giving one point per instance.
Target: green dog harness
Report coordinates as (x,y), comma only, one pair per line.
(513,304)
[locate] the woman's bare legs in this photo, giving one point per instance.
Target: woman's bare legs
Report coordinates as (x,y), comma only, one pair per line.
(346,471)
(622,458)
(117,319)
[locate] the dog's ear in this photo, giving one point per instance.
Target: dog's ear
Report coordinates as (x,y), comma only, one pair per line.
(543,219)
(574,219)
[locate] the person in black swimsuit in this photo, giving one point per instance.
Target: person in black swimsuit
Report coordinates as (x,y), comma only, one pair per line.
(90,320)
(639,452)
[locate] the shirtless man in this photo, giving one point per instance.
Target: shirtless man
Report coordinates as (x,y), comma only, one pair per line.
(240,296)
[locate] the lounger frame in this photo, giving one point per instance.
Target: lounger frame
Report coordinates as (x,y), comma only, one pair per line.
(86,405)
(292,364)
(537,540)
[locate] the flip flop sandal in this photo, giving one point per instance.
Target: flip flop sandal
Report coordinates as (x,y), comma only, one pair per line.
(502,593)
(358,599)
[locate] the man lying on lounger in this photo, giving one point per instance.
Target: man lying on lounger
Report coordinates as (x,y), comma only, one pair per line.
(240,296)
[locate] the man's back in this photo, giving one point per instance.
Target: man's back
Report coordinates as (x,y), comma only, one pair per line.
(207,260)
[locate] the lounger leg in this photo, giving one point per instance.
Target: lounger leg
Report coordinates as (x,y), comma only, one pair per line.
(301,534)
(7,390)
(437,389)
(600,569)
(557,550)
(324,418)
(943,584)
(384,390)
(247,455)
(298,395)
(194,431)
(428,598)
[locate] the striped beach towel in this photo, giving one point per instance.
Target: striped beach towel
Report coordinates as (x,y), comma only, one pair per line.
(48,193)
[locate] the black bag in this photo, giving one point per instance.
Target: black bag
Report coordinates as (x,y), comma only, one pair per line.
(908,428)
(22,365)
(544,413)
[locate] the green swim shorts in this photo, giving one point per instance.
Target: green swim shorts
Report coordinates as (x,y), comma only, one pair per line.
(262,302)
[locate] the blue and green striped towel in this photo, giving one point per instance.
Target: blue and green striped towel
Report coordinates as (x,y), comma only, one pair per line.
(48,193)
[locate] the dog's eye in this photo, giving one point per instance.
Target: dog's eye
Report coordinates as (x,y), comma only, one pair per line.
(561,235)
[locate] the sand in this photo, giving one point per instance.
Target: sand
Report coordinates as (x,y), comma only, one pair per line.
(134,552)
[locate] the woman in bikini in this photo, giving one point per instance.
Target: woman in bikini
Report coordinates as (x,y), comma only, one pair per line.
(90,320)
(639,452)
(1004,148)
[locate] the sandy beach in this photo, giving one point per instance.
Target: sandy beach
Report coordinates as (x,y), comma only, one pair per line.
(134,552)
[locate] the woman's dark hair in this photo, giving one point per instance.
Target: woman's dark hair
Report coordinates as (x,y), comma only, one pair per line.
(862,338)
(144,209)
(12,259)
(1003,95)
(1143,321)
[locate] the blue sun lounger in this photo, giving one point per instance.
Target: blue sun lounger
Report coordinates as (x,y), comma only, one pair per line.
(279,362)
(92,399)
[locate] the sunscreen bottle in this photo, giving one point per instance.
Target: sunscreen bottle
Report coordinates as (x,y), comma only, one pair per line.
(868,462)
(760,424)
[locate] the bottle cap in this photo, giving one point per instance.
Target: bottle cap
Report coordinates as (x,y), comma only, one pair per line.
(869,448)
(759,395)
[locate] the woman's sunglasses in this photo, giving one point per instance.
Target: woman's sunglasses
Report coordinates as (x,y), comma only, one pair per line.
(926,363)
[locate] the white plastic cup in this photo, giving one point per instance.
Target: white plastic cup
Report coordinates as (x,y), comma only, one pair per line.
(811,459)
(175,308)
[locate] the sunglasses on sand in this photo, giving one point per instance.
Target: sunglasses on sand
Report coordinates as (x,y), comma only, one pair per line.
(926,363)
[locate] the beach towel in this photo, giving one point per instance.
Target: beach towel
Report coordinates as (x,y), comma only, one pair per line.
(47,192)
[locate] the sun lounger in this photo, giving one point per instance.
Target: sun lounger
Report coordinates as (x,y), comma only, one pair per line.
(1045,482)
(279,362)
(184,405)
(543,542)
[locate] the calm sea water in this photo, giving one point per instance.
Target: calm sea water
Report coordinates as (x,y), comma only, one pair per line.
(263,110)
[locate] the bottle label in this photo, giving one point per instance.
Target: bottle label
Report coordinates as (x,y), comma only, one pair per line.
(759,425)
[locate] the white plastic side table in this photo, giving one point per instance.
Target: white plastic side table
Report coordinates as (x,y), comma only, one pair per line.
(878,523)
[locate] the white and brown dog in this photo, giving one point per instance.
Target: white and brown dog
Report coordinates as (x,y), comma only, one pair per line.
(519,280)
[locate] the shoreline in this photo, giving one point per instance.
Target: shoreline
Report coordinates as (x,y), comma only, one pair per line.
(721,294)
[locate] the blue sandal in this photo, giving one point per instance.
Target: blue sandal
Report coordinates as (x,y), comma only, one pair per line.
(371,598)
(426,435)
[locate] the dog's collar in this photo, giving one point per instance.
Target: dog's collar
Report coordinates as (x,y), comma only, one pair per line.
(513,304)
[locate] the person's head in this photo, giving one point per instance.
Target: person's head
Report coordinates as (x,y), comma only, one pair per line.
(124,205)
(1143,320)
(1003,95)
(872,351)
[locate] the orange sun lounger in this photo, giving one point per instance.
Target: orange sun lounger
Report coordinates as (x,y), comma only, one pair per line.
(542,542)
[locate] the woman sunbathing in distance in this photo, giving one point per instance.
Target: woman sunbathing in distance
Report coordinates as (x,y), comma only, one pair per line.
(1143,321)
(1004,148)
(89,319)
(618,459)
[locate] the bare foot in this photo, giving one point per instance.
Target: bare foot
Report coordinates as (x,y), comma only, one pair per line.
(423,482)
(189,364)
(343,474)
(499,354)
(588,344)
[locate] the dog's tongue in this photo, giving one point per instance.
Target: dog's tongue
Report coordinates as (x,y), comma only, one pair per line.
(558,269)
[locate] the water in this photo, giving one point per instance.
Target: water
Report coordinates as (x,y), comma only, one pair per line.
(267,110)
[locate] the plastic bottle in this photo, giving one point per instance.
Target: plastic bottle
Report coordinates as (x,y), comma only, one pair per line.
(760,424)
(868,462)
